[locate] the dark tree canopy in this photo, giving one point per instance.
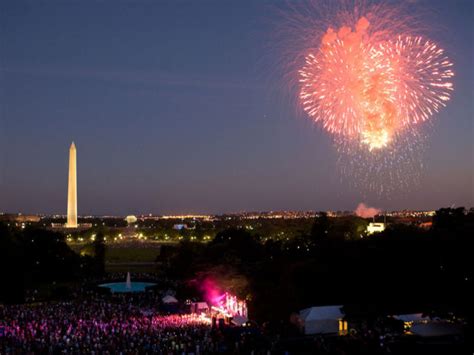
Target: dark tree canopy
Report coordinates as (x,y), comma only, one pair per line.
(403,268)
(32,257)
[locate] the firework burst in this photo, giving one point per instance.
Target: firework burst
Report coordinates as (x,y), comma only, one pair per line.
(371,82)
(369,89)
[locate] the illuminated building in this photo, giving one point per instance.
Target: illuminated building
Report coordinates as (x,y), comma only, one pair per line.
(131,219)
(375,228)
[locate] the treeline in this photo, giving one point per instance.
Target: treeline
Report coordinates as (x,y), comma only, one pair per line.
(403,269)
(33,257)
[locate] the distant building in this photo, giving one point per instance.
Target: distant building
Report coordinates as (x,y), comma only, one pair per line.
(185,216)
(131,219)
(61,227)
(179,227)
(20,218)
(426,225)
(375,228)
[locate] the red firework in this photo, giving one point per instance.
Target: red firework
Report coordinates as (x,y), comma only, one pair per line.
(370,84)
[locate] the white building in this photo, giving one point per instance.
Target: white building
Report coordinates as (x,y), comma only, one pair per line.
(375,228)
(131,219)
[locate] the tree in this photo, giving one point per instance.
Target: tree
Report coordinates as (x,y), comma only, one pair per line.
(11,259)
(235,246)
(320,228)
(99,252)
(448,218)
(32,257)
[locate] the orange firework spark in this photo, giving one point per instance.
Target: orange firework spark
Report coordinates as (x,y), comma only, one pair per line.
(368,74)
(372,86)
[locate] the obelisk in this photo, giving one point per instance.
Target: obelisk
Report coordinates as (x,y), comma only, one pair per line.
(72,190)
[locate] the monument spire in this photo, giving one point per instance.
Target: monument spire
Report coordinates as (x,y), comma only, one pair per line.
(72,189)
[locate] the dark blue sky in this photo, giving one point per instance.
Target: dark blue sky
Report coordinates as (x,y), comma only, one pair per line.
(174,107)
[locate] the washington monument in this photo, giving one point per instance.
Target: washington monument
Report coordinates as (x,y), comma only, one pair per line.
(72,189)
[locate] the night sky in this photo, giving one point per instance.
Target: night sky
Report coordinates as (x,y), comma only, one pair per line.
(175,107)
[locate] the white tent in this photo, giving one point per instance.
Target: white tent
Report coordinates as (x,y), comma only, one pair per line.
(199,307)
(436,328)
(413,317)
(169,299)
(321,320)
(239,320)
(426,327)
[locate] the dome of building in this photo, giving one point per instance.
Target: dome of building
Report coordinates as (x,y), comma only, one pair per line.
(131,219)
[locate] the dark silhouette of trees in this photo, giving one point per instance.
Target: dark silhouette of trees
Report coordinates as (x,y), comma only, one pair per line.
(404,268)
(32,257)
(99,253)
(13,268)
(449,219)
(340,228)
(320,228)
(238,243)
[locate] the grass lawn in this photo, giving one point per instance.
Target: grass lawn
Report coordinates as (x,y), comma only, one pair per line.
(123,268)
(131,254)
(125,252)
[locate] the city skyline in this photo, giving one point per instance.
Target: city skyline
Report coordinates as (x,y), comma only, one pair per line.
(166,127)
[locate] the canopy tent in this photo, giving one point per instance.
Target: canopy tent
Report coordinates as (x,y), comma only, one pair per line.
(198,307)
(239,320)
(413,317)
(436,329)
(169,299)
(321,320)
(423,326)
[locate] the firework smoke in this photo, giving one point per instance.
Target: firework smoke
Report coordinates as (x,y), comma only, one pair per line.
(365,211)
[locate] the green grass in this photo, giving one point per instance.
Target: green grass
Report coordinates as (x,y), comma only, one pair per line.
(147,268)
(125,253)
(131,254)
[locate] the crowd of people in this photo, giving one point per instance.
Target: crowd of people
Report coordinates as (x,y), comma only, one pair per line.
(98,324)
(92,321)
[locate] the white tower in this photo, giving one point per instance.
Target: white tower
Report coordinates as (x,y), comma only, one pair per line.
(72,189)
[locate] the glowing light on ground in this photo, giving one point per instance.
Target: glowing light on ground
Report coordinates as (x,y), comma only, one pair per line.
(225,303)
